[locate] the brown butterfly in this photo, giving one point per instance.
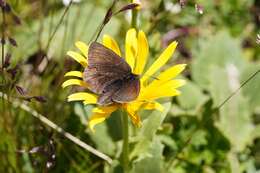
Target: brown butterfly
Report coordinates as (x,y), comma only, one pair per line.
(109,76)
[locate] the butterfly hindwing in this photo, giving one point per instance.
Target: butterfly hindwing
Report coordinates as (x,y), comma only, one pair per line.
(128,91)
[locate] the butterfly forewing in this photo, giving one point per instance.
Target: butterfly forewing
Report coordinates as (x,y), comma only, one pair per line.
(100,55)
(98,81)
(108,75)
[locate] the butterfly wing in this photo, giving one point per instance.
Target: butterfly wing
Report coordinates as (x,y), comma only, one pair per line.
(100,55)
(97,81)
(106,97)
(104,68)
(128,91)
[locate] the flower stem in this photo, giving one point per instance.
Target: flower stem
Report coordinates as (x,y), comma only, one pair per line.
(124,118)
(134,19)
(3,61)
(134,14)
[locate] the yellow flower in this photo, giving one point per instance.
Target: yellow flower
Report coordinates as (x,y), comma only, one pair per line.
(136,55)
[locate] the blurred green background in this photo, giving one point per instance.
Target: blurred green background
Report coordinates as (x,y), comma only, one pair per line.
(218,41)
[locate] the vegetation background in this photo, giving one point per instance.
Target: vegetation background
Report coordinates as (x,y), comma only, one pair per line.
(217,39)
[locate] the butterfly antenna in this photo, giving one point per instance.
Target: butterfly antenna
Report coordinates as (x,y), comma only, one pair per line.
(153,77)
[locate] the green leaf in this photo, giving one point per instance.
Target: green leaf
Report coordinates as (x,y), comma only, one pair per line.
(103,140)
(234,163)
(147,132)
(252,88)
(151,163)
(191,97)
(177,110)
(168,141)
(7,145)
(219,50)
(79,24)
(256,132)
(82,111)
(234,121)
(199,138)
(101,137)
(153,122)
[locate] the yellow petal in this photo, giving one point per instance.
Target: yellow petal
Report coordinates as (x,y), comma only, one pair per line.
(95,119)
(167,75)
(74,82)
(171,73)
(161,94)
(135,118)
(74,74)
(78,57)
(105,109)
(132,113)
(131,47)
(153,105)
(111,44)
(87,97)
(100,114)
(86,102)
(142,53)
(134,105)
(176,83)
(168,89)
(163,58)
(82,47)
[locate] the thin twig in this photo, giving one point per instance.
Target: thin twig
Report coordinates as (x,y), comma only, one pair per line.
(3,61)
(58,129)
(3,39)
(241,86)
(58,25)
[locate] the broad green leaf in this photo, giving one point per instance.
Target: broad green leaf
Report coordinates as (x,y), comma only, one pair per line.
(151,163)
(153,122)
(234,163)
(177,110)
(218,50)
(103,140)
(191,97)
(252,88)
(168,141)
(101,137)
(147,132)
(234,121)
(82,111)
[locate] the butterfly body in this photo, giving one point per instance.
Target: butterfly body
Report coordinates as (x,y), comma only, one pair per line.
(109,76)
